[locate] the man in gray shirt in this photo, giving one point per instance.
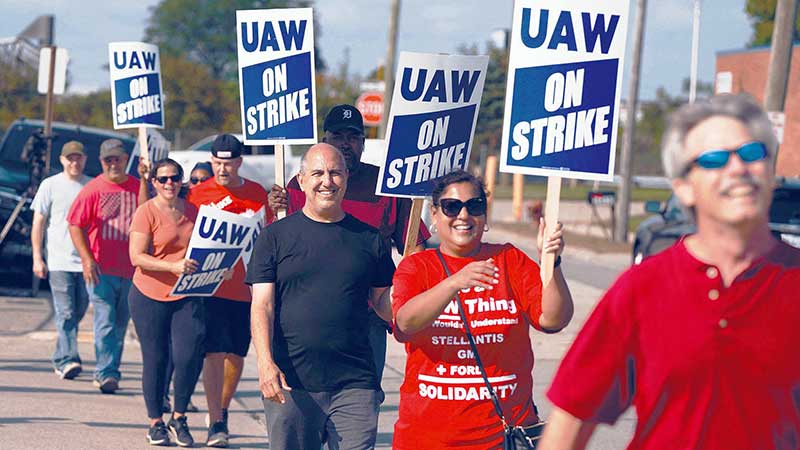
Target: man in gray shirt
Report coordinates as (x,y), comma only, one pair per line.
(70,299)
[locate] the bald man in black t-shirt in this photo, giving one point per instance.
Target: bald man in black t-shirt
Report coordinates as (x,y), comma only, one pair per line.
(313,275)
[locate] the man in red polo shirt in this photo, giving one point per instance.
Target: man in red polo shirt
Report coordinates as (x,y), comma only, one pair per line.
(228,311)
(702,338)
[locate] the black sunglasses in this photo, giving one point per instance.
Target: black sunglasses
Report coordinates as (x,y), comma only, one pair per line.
(451,207)
(175,179)
(195,180)
(716,159)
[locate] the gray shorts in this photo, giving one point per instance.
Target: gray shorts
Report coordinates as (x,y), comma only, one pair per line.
(342,420)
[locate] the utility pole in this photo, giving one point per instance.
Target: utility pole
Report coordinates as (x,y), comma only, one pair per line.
(388,68)
(624,198)
(780,56)
(695,45)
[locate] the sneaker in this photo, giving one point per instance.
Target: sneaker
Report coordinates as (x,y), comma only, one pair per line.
(217,435)
(107,385)
(225,418)
(69,371)
(192,408)
(157,435)
(166,406)
(179,431)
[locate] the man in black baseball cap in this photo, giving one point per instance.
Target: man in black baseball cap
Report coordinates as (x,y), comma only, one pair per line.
(228,311)
(226,146)
(344,129)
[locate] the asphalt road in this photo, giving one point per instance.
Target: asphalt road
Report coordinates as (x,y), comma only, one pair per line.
(41,411)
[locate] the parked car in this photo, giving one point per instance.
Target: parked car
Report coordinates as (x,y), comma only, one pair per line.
(670,222)
(258,160)
(15,179)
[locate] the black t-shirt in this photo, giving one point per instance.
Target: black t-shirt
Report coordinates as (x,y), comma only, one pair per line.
(323,273)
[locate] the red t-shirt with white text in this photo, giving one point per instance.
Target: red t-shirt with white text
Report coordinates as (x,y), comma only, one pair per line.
(105,209)
(444,402)
(247,198)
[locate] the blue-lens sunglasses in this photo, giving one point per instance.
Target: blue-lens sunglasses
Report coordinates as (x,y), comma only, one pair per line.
(715,159)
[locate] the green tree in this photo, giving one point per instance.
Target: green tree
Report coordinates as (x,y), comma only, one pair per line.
(92,109)
(18,95)
(489,129)
(204,32)
(762,18)
(198,101)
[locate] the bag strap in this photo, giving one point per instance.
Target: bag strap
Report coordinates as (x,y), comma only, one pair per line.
(492,393)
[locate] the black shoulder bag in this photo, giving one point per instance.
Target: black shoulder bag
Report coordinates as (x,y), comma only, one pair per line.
(514,437)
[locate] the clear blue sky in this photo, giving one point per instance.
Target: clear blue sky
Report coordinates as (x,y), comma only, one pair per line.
(85,27)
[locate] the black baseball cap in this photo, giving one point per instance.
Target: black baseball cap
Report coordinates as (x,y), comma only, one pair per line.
(341,117)
(226,146)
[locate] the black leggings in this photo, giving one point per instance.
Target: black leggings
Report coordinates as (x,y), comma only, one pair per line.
(155,321)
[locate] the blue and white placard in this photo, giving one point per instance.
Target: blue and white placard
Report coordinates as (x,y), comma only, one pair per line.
(432,121)
(564,85)
(135,69)
(218,240)
(276,75)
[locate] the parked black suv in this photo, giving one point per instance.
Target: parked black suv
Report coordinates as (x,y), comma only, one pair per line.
(669,223)
(15,250)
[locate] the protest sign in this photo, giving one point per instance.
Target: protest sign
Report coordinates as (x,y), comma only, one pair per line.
(217,242)
(433,115)
(135,69)
(157,149)
(564,85)
(276,76)
(259,221)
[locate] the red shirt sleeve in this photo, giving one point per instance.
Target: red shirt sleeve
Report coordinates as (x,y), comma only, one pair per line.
(595,380)
(526,283)
(81,212)
(410,279)
(296,197)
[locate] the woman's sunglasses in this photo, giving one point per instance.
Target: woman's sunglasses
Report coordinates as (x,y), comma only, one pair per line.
(716,159)
(451,207)
(195,180)
(175,179)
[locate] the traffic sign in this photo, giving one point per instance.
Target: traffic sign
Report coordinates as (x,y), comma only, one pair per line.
(371,106)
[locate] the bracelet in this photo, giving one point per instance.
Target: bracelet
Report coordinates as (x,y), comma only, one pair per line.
(558,262)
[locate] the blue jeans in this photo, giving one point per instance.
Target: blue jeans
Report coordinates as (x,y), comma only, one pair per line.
(70,301)
(110,300)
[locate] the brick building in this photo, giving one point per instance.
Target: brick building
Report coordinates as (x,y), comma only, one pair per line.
(746,71)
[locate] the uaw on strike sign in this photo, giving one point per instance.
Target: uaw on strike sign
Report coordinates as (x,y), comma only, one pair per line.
(135,70)
(219,239)
(433,115)
(276,75)
(564,83)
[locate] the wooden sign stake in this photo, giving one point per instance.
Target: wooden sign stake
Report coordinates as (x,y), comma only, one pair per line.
(413,226)
(516,196)
(280,173)
(551,219)
(144,149)
(489,179)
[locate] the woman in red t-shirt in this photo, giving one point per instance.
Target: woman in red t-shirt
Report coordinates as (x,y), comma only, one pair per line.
(444,402)
(159,237)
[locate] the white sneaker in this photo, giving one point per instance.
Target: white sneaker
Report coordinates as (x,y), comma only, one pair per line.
(69,371)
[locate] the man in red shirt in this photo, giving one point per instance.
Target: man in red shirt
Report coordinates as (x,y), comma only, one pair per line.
(344,129)
(228,311)
(702,338)
(99,219)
